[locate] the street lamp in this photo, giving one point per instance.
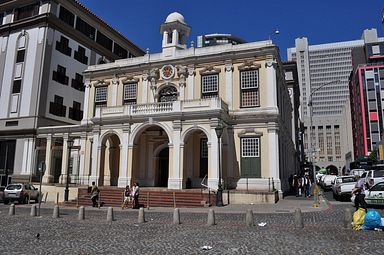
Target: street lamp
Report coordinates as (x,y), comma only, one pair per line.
(219,195)
(310,145)
(66,191)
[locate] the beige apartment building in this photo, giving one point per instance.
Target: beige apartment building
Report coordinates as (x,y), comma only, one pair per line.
(155,119)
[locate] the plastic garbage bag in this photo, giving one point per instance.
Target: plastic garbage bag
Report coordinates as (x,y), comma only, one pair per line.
(358,218)
(372,220)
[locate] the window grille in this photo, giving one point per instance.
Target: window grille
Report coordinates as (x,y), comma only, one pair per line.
(250,147)
(101,94)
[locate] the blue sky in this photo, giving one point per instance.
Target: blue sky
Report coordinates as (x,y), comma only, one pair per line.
(253,20)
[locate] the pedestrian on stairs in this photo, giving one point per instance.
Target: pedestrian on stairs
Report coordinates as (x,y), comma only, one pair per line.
(94,194)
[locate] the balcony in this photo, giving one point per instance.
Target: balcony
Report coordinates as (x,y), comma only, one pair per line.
(161,108)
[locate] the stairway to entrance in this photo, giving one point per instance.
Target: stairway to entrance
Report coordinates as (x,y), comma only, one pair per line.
(149,197)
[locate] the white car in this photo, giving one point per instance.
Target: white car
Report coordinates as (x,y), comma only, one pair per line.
(374,176)
(343,186)
(374,195)
(327,180)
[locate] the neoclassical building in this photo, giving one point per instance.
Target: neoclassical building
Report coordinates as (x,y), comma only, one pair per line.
(153,119)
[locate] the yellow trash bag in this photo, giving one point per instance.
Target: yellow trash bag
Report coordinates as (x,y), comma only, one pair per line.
(358,218)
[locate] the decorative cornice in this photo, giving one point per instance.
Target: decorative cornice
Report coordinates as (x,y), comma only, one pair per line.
(250,64)
(210,70)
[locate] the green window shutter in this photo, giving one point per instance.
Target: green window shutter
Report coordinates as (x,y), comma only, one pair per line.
(250,163)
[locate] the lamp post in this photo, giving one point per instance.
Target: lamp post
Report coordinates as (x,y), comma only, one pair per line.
(66,191)
(41,169)
(310,145)
(219,195)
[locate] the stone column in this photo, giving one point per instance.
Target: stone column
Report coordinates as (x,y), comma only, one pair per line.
(87,84)
(175,37)
(271,84)
(229,83)
(181,165)
(123,175)
(130,164)
(64,160)
(114,87)
(95,158)
(83,149)
(28,156)
(175,180)
(273,153)
(48,175)
(213,159)
(191,81)
(144,88)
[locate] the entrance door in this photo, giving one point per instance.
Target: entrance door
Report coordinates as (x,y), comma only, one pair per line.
(163,168)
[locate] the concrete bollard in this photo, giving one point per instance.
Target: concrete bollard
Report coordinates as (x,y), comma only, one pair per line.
(298,219)
(110,216)
(56,212)
(81,213)
(176,216)
(249,218)
(211,218)
(33,211)
(347,218)
(141,218)
(12,210)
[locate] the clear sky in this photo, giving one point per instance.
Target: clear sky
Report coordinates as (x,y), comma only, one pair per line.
(252,20)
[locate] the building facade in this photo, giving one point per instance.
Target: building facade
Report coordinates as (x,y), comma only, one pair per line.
(45,47)
(366,86)
(323,72)
(155,119)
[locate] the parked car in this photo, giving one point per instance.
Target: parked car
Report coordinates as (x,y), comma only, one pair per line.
(373,177)
(359,172)
(326,181)
(343,186)
(374,195)
(21,192)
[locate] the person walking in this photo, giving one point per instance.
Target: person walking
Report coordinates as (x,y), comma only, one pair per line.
(359,193)
(136,193)
(95,194)
(307,186)
(295,184)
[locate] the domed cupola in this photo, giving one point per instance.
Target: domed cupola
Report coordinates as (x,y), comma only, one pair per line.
(175,34)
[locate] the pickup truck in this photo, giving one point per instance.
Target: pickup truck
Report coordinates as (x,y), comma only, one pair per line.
(343,186)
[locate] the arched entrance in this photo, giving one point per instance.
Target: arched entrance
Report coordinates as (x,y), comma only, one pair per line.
(150,166)
(110,161)
(333,169)
(195,158)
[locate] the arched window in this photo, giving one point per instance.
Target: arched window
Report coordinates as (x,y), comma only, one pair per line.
(168,94)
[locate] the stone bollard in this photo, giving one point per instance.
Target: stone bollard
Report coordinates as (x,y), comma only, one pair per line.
(176,216)
(211,218)
(298,219)
(81,213)
(141,218)
(12,210)
(347,218)
(110,216)
(56,212)
(249,218)
(33,211)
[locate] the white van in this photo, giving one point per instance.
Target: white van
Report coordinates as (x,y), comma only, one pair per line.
(354,172)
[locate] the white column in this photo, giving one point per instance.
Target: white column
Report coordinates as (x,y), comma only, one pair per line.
(175,37)
(114,87)
(86,102)
(83,149)
(181,165)
(123,175)
(273,154)
(165,38)
(228,84)
(48,175)
(191,81)
(64,160)
(182,88)
(175,180)
(28,156)
(213,159)
(153,87)
(95,158)
(144,89)
(271,80)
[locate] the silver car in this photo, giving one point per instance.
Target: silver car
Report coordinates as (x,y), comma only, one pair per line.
(21,192)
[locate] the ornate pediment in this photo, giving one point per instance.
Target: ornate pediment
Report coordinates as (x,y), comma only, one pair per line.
(210,70)
(249,64)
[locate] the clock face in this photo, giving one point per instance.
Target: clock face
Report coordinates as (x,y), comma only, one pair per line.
(167,72)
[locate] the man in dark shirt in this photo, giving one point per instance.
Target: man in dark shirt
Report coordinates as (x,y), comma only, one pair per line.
(359,192)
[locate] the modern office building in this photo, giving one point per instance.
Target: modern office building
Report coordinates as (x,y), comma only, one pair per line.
(218,39)
(366,86)
(184,116)
(45,47)
(324,71)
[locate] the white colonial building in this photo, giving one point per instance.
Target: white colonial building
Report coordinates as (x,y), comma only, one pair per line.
(153,119)
(44,48)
